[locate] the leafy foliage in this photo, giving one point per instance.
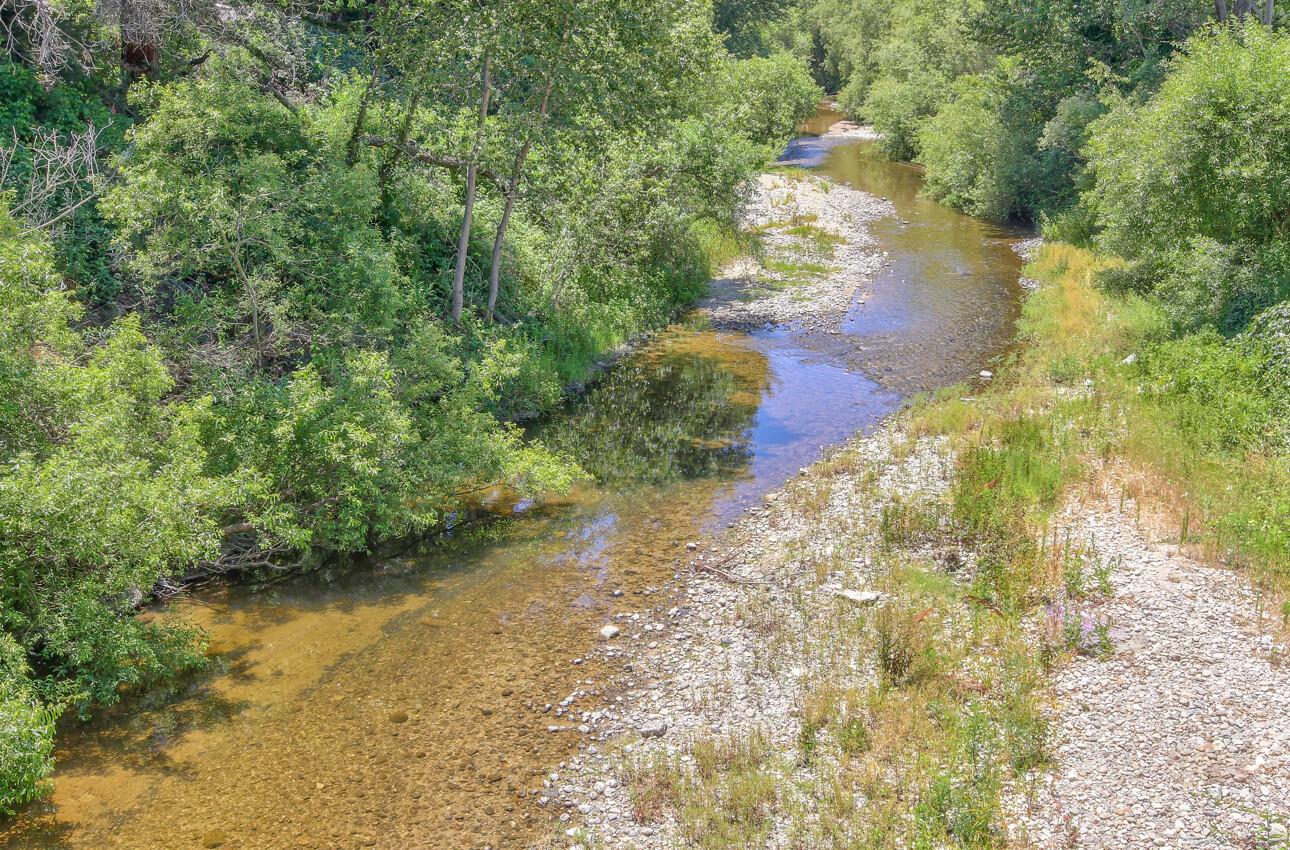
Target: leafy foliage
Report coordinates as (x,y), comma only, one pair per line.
(1191,183)
(1019,80)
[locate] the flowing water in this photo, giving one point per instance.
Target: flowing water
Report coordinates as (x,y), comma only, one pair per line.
(400,703)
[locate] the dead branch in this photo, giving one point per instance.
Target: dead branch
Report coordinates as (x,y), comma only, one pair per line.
(61,176)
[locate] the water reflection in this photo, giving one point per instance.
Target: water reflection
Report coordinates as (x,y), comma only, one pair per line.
(291,744)
(948,298)
(680,409)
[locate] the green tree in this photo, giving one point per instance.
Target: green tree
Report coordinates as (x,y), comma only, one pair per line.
(1191,183)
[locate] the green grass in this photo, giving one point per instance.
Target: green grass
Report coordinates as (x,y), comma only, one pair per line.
(724,796)
(1201,438)
(794,272)
(823,240)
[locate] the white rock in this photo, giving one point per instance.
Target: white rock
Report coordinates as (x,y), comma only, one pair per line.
(860,597)
(653,728)
(609,632)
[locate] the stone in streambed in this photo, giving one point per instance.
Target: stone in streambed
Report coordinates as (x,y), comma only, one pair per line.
(398,716)
(609,632)
(214,838)
(654,728)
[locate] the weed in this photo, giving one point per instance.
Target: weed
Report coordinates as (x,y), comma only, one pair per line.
(1102,570)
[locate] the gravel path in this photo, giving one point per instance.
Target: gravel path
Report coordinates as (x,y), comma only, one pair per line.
(1182,739)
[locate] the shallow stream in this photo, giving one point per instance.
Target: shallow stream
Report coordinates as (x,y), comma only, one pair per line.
(399,703)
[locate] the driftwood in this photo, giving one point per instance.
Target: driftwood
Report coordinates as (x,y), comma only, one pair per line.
(716,570)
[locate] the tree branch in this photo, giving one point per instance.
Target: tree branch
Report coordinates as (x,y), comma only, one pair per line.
(415,152)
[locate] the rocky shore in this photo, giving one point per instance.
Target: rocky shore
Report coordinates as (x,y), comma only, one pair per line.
(1173,733)
(747,628)
(1182,738)
(816,254)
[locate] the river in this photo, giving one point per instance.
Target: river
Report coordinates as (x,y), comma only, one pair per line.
(400,702)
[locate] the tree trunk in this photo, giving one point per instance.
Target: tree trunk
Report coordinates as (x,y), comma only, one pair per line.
(1269,8)
(495,267)
(468,210)
(1220,10)
(249,287)
(512,190)
(351,148)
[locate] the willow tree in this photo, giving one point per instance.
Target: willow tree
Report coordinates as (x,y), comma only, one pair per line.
(484,85)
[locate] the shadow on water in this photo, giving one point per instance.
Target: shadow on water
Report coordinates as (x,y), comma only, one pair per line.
(405,701)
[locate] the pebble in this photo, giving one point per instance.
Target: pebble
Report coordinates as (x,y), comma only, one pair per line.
(1183,713)
(860,597)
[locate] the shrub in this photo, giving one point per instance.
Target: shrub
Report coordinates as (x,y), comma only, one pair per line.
(1206,156)
(974,160)
(1213,392)
(769,97)
(26,732)
(897,107)
(1191,183)
(1267,339)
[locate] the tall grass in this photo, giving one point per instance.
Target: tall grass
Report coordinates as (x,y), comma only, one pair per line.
(1104,378)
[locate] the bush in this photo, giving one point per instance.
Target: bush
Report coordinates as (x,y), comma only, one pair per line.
(925,50)
(770,97)
(102,492)
(26,732)
(1191,183)
(1214,392)
(974,160)
(896,108)
(93,452)
(1207,156)
(1268,340)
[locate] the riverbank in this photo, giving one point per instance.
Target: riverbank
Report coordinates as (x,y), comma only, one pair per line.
(435,676)
(995,622)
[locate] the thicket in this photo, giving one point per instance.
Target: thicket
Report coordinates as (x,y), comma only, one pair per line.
(277,280)
(995,99)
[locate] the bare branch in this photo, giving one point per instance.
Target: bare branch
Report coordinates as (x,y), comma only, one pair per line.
(62,174)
